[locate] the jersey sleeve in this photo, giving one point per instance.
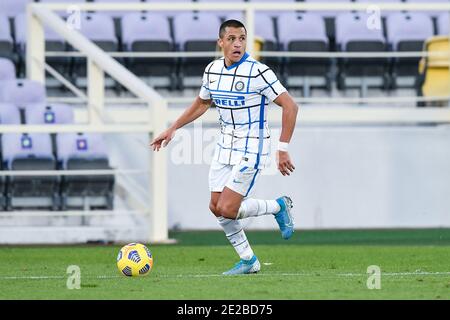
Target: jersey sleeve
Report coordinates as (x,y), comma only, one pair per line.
(205,94)
(267,83)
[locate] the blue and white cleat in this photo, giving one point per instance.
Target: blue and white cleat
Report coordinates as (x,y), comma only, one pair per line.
(244,267)
(284,217)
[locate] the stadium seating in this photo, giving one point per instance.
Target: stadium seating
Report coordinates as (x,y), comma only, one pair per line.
(42,113)
(6,40)
(149,32)
(9,114)
(303,33)
(99,28)
(11,8)
(22,92)
(195,32)
(53,42)
(30,152)
(435,70)
(7,70)
(353,35)
(407,32)
(78,151)
(443,24)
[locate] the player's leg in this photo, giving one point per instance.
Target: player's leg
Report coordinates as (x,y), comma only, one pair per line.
(227,206)
(218,177)
(242,183)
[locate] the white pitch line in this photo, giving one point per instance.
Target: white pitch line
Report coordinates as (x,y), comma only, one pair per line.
(395,274)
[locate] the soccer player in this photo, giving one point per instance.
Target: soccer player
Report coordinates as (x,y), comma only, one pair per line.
(241,89)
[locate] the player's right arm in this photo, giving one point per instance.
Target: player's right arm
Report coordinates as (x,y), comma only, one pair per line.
(197,108)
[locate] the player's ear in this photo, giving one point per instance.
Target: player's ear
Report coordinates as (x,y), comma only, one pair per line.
(220,43)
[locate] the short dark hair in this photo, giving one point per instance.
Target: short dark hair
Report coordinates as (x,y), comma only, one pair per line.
(230,23)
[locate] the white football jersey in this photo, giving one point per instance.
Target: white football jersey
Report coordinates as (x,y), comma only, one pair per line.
(241,94)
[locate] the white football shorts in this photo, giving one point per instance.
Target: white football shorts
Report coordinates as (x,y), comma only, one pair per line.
(239,178)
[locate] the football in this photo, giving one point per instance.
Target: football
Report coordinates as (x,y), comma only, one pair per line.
(134,259)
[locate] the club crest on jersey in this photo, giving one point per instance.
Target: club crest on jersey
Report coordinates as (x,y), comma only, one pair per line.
(239,86)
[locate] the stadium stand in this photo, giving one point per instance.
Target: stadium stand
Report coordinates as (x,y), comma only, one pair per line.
(78,151)
(435,70)
(149,32)
(195,32)
(6,40)
(407,32)
(99,28)
(22,92)
(7,70)
(305,32)
(53,42)
(352,35)
(30,152)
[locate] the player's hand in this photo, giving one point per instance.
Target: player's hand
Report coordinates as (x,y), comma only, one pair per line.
(163,139)
(284,163)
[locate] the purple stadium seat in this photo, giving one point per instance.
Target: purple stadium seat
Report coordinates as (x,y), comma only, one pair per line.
(144,27)
(13,7)
(302,32)
(6,40)
(443,24)
(99,28)
(404,28)
(407,32)
(23,146)
(31,151)
(22,92)
(80,145)
(78,151)
(9,114)
(149,32)
(20,23)
(7,70)
(195,32)
(53,42)
(49,114)
(353,27)
(195,27)
(353,34)
(305,27)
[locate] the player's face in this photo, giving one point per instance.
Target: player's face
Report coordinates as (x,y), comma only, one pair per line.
(233,43)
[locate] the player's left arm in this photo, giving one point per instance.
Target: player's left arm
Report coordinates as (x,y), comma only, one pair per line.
(289,118)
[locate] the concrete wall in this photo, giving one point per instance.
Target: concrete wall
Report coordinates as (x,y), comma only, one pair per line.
(346,177)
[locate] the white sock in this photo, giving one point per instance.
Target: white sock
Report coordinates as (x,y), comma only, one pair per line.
(236,236)
(256,208)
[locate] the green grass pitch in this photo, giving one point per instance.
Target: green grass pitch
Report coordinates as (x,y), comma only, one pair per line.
(415,264)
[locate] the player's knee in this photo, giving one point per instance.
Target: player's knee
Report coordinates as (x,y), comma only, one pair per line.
(213,208)
(226,211)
